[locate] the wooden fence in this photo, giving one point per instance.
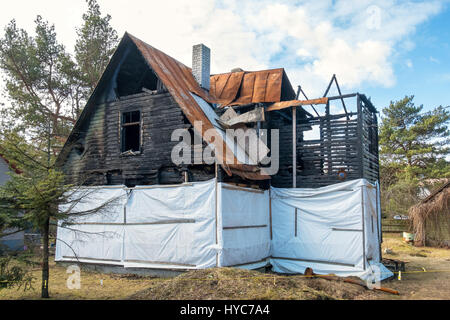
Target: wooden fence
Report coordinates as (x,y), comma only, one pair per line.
(395,226)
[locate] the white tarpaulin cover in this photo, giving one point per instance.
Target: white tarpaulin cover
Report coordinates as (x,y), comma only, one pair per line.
(172,227)
(96,237)
(244,221)
(189,226)
(333,229)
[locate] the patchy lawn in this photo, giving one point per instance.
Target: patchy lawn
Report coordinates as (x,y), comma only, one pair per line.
(415,283)
(232,283)
(114,286)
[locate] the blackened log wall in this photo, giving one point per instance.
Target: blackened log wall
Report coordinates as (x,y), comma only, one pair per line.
(283,122)
(101,162)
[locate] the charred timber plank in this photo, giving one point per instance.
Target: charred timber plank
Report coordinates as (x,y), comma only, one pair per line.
(295,103)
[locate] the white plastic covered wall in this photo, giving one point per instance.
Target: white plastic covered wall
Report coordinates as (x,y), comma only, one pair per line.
(190,226)
(334,229)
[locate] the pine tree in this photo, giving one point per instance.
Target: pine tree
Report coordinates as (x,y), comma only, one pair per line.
(413,138)
(38,195)
(45,85)
(413,150)
(95,45)
(47,89)
(39,80)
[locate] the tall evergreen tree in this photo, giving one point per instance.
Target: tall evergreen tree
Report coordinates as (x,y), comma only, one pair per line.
(414,138)
(414,146)
(39,197)
(39,79)
(47,87)
(95,44)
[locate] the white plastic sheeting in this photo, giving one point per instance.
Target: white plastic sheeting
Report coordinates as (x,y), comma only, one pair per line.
(93,237)
(245,226)
(333,229)
(171,227)
(188,226)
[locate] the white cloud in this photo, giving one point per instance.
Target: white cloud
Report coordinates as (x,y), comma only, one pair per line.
(409,63)
(356,40)
(434,60)
(341,41)
(303,53)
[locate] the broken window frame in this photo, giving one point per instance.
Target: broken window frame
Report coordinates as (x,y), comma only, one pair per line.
(124,125)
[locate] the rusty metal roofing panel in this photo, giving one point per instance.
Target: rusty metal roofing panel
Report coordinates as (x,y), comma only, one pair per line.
(232,88)
(239,88)
(176,76)
(225,87)
(246,93)
(273,87)
(259,90)
(217,84)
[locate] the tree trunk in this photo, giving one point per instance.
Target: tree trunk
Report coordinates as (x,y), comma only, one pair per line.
(45,269)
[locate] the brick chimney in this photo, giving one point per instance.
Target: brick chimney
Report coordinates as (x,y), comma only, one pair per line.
(201,60)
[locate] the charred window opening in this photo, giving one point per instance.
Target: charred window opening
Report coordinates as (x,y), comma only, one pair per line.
(135,76)
(131,131)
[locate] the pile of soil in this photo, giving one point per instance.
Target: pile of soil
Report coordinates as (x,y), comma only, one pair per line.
(233,283)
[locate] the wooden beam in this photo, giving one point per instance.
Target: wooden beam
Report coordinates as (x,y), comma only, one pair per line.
(342,99)
(295,103)
(312,106)
(295,223)
(270,214)
(245,227)
(329,85)
(242,189)
(294,147)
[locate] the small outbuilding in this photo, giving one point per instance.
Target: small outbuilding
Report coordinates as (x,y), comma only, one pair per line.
(431,218)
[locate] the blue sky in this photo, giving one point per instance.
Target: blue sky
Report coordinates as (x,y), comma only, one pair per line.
(428,78)
(384,48)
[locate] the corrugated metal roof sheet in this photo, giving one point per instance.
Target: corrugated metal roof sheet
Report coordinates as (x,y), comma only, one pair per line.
(240,88)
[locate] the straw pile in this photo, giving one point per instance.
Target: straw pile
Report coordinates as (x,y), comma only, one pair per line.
(431,218)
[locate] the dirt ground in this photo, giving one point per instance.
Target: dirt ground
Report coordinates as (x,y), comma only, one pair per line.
(231,283)
(427,273)
(239,284)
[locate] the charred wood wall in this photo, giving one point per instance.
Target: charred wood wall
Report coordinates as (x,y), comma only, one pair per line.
(335,150)
(346,149)
(98,158)
(282,120)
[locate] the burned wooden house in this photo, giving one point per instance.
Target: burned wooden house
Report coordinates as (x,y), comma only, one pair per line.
(247,207)
(123,135)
